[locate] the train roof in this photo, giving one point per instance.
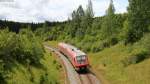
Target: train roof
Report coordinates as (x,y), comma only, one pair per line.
(73,48)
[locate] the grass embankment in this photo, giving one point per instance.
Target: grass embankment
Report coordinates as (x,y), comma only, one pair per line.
(112,63)
(52,73)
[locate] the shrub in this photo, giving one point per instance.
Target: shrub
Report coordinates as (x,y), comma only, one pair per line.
(135,59)
(140,51)
(23,48)
(30,48)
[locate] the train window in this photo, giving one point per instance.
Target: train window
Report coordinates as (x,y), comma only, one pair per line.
(78,57)
(81,59)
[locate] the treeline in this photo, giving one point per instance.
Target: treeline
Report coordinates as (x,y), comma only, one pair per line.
(89,33)
(16,26)
(95,34)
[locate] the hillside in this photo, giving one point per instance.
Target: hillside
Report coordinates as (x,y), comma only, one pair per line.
(23,60)
(110,64)
(52,73)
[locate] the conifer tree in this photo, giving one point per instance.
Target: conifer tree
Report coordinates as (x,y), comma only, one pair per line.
(77,16)
(88,19)
(89,10)
(108,24)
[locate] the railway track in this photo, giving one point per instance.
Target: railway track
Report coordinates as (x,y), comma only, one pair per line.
(85,79)
(88,78)
(73,76)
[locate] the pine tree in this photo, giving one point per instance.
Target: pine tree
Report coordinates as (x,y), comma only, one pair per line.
(76,29)
(80,11)
(108,25)
(139,19)
(78,14)
(88,19)
(111,9)
(81,15)
(89,10)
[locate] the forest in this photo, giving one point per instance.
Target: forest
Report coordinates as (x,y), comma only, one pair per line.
(22,42)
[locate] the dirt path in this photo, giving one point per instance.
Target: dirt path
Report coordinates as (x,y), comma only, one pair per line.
(72,75)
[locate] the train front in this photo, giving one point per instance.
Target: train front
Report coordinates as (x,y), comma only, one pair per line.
(82,62)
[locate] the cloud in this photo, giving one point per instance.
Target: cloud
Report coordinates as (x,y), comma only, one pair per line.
(52,10)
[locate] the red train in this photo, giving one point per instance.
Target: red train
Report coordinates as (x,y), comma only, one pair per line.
(78,58)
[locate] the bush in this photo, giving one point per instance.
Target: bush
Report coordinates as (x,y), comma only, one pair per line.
(140,51)
(135,59)
(23,48)
(114,41)
(96,47)
(44,79)
(30,48)
(143,45)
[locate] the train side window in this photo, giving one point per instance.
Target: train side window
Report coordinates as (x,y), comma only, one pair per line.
(74,60)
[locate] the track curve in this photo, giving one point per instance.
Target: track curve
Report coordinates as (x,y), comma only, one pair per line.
(73,76)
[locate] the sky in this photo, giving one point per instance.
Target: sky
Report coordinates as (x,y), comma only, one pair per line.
(52,10)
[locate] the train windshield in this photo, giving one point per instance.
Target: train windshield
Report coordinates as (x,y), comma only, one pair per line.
(81,59)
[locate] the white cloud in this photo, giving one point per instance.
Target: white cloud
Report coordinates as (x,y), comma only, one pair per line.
(52,10)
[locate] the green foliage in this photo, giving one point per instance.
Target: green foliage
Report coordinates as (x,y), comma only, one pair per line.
(84,31)
(138,19)
(142,45)
(140,51)
(2,73)
(77,17)
(88,19)
(139,57)
(111,9)
(23,48)
(29,48)
(81,21)
(89,10)
(124,30)
(108,28)
(44,79)
(104,31)
(122,64)
(49,74)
